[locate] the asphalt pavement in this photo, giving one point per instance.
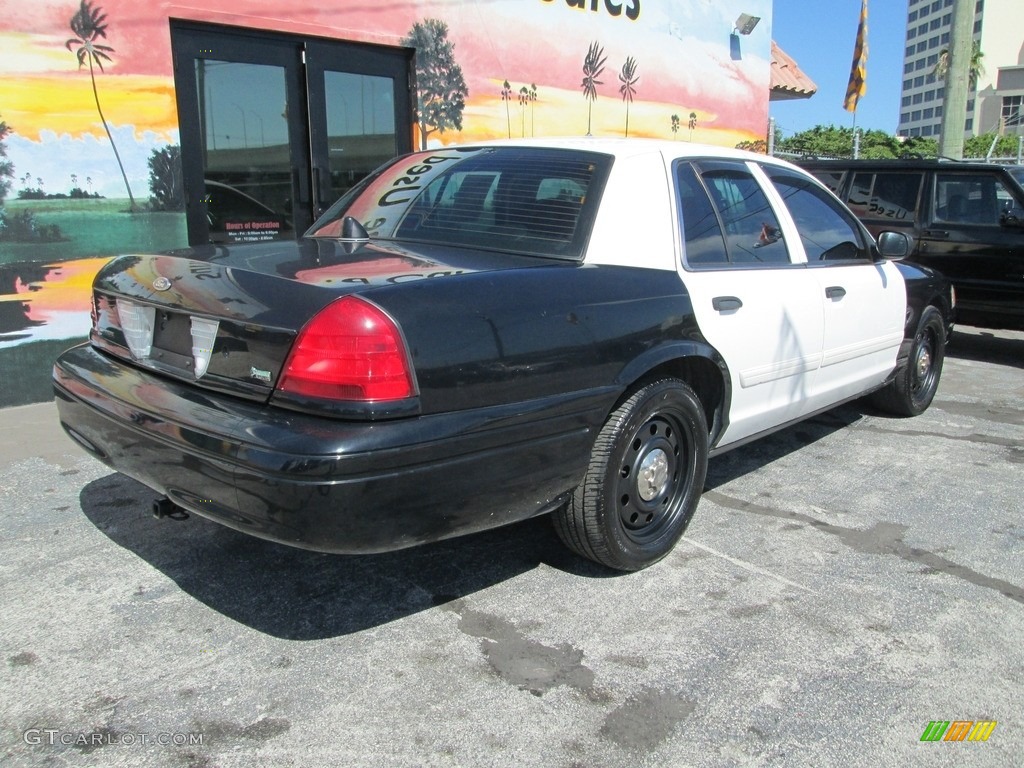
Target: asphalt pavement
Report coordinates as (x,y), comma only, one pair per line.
(844,584)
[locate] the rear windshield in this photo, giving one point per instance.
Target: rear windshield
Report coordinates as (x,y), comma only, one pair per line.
(537,201)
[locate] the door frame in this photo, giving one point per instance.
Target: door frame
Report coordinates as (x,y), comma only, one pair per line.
(302,58)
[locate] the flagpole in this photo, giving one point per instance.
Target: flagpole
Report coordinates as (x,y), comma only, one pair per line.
(858,72)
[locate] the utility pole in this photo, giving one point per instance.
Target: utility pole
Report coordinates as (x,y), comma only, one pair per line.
(958,73)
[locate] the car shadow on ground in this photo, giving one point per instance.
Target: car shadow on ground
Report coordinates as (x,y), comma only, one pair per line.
(296,594)
(984,346)
(301,595)
(750,457)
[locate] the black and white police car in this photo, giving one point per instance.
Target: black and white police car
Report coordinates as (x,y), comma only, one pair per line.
(476,335)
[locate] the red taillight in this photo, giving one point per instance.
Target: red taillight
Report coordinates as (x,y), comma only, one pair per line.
(351,350)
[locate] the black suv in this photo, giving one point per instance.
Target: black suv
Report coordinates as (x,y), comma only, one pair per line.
(966,219)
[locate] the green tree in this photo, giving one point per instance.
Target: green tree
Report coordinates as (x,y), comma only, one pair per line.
(6,166)
(89,25)
(692,123)
(675,125)
(628,79)
(976,70)
(593,66)
(165,181)
(980,146)
(440,84)
(831,141)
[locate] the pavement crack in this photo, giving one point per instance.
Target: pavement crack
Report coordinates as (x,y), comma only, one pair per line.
(882,538)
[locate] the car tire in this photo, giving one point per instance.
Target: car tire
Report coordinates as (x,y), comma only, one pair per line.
(914,387)
(644,481)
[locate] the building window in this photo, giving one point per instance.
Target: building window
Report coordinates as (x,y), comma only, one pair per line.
(944,39)
(924,12)
(928,114)
(935,24)
(915,115)
(937,6)
(904,117)
(912,17)
(918,98)
(938,111)
(933,60)
(908,68)
(1011,111)
(905,102)
(926,131)
(915,131)
(919,81)
(920,64)
(970,105)
(922,29)
(906,84)
(969,124)
(911,34)
(933,43)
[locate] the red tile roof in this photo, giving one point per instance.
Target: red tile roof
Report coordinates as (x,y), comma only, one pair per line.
(788,82)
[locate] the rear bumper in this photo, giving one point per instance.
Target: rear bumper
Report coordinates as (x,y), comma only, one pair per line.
(324,484)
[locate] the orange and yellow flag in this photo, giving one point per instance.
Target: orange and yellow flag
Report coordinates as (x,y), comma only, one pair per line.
(859,71)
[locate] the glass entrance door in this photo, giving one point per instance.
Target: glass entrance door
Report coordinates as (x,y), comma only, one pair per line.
(275,128)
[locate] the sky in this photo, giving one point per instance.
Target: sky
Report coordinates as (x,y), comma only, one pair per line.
(820,36)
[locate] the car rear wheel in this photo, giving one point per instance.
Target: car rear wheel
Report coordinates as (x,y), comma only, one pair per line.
(914,387)
(644,481)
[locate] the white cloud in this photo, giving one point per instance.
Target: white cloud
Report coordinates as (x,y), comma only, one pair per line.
(54,158)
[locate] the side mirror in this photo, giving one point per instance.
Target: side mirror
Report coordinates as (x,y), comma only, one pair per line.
(1012,217)
(894,245)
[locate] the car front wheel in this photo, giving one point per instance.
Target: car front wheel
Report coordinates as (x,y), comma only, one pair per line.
(644,481)
(914,387)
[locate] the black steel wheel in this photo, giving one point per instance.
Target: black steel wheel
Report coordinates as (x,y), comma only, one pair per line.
(915,385)
(644,481)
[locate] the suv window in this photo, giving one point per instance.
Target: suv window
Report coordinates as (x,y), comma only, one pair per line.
(826,232)
(887,195)
(744,217)
(831,179)
(970,198)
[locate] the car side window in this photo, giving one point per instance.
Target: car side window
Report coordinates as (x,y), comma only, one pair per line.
(744,217)
(831,179)
(885,195)
(702,232)
(970,198)
(827,233)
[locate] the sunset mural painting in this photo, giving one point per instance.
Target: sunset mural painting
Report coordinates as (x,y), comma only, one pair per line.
(90,140)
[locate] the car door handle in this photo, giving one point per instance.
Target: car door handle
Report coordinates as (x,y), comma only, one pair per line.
(726,303)
(938,234)
(835,292)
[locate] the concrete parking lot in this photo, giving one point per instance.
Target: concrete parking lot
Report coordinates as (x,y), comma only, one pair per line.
(844,583)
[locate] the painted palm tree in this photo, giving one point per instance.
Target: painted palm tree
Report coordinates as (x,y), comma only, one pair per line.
(524,99)
(89,25)
(675,126)
(593,66)
(506,96)
(628,79)
(533,109)
(692,124)
(977,69)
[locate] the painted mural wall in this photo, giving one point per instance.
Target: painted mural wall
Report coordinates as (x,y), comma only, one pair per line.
(89,126)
